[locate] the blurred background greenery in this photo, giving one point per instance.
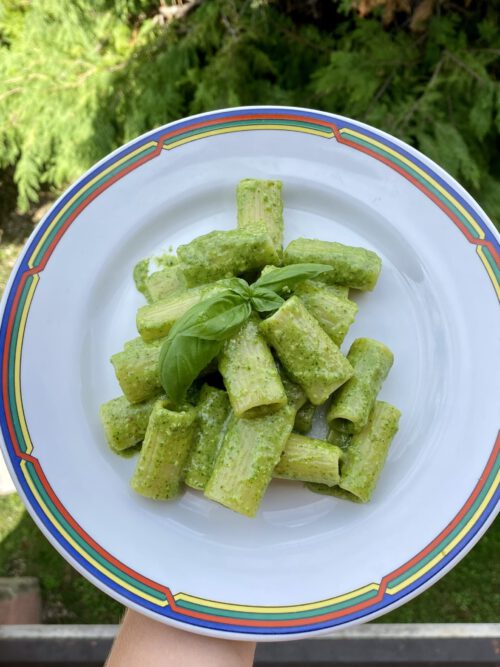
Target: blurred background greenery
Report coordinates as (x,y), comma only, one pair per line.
(78,78)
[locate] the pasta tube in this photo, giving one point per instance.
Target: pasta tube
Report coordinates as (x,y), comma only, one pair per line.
(365,456)
(250,451)
(258,203)
(156,319)
(335,314)
(353,402)
(164,284)
(337,290)
(309,460)
(250,374)
(309,356)
(225,254)
(213,410)
(166,445)
(352,267)
(136,369)
(125,423)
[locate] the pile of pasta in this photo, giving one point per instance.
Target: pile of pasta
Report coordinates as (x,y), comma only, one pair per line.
(247,416)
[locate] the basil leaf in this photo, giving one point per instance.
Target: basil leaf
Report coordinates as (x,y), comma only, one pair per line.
(182,358)
(264,300)
(238,286)
(197,337)
(202,311)
(222,319)
(289,276)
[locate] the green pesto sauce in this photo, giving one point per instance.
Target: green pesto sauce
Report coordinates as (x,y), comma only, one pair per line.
(353,403)
(334,491)
(167,259)
(141,271)
(339,438)
(129,452)
(309,356)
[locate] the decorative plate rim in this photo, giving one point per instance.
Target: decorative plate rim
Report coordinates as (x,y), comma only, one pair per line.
(210,617)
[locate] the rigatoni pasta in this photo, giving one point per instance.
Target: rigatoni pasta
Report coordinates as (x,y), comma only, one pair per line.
(125,423)
(136,369)
(334,313)
(164,284)
(244,467)
(239,343)
(353,402)
(259,203)
(365,455)
(309,356)
(225,254)
(309,460)
(167,442)
(156,319)
(213,409)
(250,374)
(352,267)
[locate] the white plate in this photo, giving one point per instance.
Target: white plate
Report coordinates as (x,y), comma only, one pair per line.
(307,563)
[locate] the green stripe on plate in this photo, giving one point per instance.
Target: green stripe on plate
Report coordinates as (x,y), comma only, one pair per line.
(492,263)
(39,255)
(417,177)
(278,616)
(439,547)
(256,122)
(12,363)
(54,512)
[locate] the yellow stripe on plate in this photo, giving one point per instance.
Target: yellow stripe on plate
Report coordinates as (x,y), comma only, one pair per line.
(17,365)
(77,547)
(449,547)
(81,191)
(487,266)
(422,173)
(277,610)
(244,128)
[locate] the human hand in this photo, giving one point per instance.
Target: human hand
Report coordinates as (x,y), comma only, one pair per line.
(142,641)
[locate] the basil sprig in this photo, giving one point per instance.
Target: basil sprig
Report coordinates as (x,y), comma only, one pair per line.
(198,336)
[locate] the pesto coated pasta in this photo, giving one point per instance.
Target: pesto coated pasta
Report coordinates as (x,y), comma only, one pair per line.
(238,347)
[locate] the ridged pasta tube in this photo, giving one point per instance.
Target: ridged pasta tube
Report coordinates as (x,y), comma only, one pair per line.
(352,267)
(164,284)
(220,255)
(250,374)
(213,410)
(166,446)
(364,457)
(244,467)
(353,402)
(259,202)
(307,353)
(335,314)
(309,460)
(136,369)
(125,423)
(156,319)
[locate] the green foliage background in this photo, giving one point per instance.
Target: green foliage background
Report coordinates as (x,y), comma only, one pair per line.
(80,77)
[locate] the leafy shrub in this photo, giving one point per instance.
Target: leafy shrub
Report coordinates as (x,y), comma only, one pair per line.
(80,77)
